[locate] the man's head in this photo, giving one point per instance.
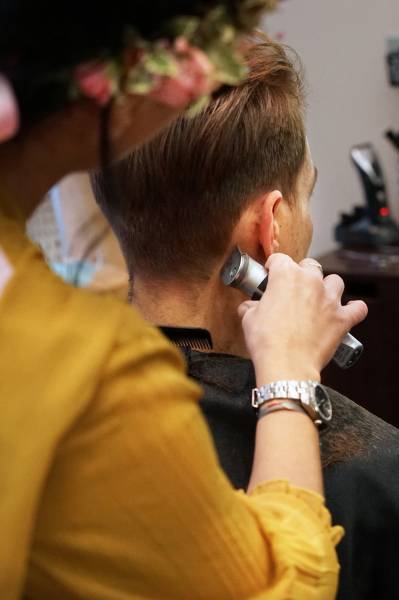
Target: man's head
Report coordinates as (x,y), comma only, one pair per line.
(240,172)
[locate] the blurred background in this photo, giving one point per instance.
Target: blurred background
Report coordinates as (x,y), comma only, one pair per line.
(76,239)
(343,47)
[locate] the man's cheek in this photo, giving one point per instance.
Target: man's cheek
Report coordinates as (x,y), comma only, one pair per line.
(307,235)
(310,233)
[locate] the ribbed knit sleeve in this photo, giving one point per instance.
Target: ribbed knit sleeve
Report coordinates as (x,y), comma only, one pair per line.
(110,483)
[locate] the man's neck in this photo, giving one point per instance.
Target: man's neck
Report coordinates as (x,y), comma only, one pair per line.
(209,306)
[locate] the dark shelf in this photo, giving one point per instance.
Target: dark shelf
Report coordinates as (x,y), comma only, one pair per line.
(374,278)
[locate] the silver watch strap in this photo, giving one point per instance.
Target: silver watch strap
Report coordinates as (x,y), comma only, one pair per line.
(291,389)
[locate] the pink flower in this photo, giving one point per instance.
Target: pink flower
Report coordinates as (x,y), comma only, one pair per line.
(94,82)
(194,78)
(9,111)
(181,45)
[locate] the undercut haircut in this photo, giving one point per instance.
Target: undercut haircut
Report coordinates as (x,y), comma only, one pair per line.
(175,201)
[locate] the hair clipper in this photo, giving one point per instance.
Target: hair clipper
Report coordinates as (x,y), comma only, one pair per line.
(243,272)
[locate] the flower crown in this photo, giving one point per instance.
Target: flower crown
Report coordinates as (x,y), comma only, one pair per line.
(183,68)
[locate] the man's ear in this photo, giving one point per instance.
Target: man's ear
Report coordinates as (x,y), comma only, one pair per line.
(269,231)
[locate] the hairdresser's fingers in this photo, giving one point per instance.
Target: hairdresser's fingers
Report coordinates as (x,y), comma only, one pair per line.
(279,262)
(354,312)
(245,307)
(334,286)
(311,263)
(278,266)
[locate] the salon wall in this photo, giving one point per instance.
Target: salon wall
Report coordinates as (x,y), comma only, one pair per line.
(342,46)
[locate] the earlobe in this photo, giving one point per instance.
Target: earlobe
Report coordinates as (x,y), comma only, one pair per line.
(276,236)
(266,231)
(269,227)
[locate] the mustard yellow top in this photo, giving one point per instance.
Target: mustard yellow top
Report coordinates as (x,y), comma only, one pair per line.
(110,487)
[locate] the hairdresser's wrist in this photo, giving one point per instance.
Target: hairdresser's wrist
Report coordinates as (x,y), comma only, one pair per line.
(268,371)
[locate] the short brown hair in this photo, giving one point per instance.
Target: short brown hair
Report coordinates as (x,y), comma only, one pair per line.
(180,195)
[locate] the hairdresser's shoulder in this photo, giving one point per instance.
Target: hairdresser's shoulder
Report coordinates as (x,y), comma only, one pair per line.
(139,338)
(68,322)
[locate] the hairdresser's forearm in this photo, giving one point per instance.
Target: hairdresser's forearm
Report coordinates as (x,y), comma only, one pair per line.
(287,447)
(287,444)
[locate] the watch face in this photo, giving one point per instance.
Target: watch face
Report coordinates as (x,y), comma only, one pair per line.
(324,406)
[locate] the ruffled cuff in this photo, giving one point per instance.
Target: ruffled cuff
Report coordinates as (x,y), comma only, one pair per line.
(314,500)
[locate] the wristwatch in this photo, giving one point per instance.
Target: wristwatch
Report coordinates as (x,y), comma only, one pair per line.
(310,395)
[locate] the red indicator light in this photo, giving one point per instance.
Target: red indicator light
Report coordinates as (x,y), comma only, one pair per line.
(384,211)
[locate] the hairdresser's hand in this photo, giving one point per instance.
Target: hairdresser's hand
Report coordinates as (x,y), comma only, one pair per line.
(294,330)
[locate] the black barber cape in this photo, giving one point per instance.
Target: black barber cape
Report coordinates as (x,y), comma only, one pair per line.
(360,456)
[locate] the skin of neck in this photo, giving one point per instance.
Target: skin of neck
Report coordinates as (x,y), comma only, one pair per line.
(68,142)
(27,172)
(209,305)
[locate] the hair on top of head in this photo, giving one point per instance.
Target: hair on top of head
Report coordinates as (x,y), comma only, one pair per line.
(180,195)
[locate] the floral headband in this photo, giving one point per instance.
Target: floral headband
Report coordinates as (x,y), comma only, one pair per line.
(196,55)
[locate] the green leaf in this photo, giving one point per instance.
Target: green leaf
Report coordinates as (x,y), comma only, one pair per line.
(160,62)
(214,24)
(228,64)
(227,34)
(113,71)
(250,12)
(139,81)
(183,26)
(197,106)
